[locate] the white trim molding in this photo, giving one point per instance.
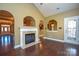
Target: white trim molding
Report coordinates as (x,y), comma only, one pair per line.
(17,46)
(59,40)
(53,39)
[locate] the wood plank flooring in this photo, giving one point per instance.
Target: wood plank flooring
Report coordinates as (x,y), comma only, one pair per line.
(44,48)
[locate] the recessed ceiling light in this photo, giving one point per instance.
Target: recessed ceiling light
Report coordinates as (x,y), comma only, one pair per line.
(41,3)
(57,8)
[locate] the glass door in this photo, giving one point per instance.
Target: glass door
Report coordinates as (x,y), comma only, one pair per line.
(71,29)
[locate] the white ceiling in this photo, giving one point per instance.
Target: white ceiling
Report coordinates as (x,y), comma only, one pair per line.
(48,9)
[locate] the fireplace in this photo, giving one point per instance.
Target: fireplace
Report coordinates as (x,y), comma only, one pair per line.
(28,36)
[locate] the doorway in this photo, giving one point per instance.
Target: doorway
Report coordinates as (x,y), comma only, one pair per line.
(6,30)
(71,29)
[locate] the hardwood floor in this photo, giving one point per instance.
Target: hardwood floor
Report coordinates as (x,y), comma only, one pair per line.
(6,44)
(44,48)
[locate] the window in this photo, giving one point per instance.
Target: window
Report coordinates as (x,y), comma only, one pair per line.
(5,28)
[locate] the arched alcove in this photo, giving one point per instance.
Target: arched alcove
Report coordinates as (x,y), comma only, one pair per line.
(52,25)
(41,25)
(41,28)
(29,21)
(6,28)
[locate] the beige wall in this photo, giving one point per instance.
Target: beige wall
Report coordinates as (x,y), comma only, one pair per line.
(60,23)
(19,11)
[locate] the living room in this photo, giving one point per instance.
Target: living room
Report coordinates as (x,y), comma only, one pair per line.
(39,29)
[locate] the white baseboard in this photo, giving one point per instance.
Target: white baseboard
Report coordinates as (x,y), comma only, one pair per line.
(16,46)
(53,39)
(60,40)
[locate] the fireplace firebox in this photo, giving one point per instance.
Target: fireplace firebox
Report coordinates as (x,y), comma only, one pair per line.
(29,38)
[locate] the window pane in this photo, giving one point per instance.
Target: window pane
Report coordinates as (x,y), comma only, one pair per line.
(71,28)
(71,24)
(6,29)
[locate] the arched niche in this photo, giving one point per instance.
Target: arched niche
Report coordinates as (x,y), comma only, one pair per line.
(41,25)
(29,21)
(6,22)
(52,25)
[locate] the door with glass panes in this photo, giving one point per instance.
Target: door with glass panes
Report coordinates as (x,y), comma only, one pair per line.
(71,29)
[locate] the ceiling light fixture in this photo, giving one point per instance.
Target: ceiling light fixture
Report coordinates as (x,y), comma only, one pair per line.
(57,8)
(41,3)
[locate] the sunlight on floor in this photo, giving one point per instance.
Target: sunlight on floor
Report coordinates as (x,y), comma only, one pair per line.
(5,40)
(71,51)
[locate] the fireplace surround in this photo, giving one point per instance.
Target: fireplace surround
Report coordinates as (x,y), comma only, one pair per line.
(28,36)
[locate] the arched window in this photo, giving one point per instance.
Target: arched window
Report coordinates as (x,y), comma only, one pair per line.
(52,25)
(29,21)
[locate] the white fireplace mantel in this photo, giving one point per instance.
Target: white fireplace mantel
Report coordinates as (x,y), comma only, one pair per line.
(26,30)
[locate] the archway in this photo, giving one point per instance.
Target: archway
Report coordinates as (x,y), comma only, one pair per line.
(6,29)
(29,21)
